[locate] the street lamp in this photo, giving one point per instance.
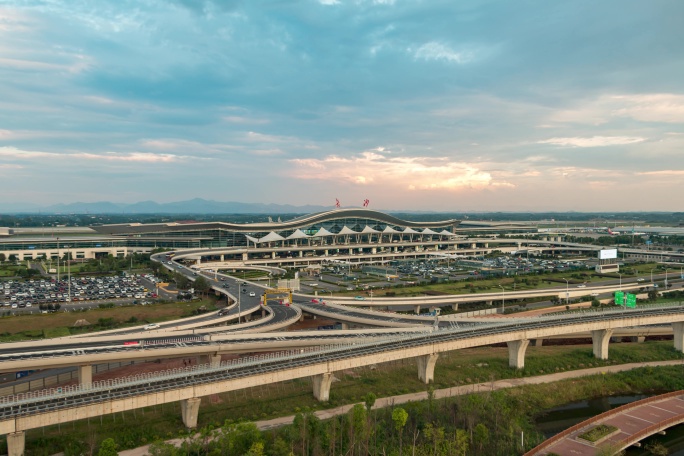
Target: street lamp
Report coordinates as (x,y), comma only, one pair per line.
(567,291)
(68,247)
(652,275)
(666,269)
(620,280)
(503,299)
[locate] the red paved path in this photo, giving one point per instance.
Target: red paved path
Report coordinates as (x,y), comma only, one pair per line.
(635,421)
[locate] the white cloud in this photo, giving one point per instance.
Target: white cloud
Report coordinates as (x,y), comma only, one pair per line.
(136,157)
(650,107)
(439,51)
(594,141)
(412,173)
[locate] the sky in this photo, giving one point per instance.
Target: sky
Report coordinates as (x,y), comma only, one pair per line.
(412,104)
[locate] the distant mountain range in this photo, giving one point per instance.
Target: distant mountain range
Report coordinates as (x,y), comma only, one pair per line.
(193,206)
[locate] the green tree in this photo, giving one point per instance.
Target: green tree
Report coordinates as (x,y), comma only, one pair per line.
(480,436)
(107,448)
(460,445)
(400,416)
(2,257)
(202,285)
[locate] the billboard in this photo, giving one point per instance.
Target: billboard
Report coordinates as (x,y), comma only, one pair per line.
(607,254)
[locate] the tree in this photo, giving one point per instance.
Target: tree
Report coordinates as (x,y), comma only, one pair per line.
(480,436)
(202,285)
(399,416)
(107,448)
(2,257)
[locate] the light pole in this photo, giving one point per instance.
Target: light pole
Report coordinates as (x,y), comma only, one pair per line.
(567,291)
(68,271)
(503,299)
(58,255)
(239,293)
(666,269)
(652,276)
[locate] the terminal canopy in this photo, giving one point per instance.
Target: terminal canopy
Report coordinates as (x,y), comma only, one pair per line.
(346,230)
(298,234)
(368,229)
(270,237)
(323,232)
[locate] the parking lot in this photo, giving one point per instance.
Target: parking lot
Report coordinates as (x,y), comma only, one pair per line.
(25,294)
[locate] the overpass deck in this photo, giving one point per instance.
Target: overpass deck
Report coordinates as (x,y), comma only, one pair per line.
(634,422)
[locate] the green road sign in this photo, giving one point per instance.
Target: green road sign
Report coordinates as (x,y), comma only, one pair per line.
(631,300)
(619,298)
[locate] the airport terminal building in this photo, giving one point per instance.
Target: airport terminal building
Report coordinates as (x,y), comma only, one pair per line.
(354,226)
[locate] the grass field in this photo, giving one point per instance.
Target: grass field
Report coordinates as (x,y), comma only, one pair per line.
(21,327)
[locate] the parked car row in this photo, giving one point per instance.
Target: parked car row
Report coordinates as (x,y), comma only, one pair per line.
(43,291)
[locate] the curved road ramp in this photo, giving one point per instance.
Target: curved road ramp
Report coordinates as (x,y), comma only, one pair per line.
(625,426)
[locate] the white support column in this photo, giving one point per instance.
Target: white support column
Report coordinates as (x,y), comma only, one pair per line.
(223,258)
(85,375)
(321,386)
(600,339)
(426,367)
(638,339)
(16,442)
(245,256)
(454,307)
(516,353)
(416,309)
(211,360)
(678,329)
(538,342)
(189,411)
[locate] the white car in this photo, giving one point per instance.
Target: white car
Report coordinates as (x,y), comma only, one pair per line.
(640,279)
(581,286)
(150,326)
(252,294)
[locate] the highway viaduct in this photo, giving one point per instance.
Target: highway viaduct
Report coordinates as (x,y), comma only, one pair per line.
(18,414)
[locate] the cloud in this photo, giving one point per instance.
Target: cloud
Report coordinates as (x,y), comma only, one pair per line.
(135,157)
(594,141)
(664,172)
(412,173)
(642,107)
(439,51)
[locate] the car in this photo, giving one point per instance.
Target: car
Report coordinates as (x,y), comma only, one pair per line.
(350,288)
(581,286)
(315,301)
(359,298)
(252,294)
(151,326)
(640,279)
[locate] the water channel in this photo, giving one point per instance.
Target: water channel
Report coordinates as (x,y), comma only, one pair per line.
(561,418)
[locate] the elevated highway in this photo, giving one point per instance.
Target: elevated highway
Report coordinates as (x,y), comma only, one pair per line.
(19,413)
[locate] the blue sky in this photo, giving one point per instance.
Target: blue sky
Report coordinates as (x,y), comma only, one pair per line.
(430,105)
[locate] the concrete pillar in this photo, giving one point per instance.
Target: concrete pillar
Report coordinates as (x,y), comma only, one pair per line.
(489,303)
(637,339)
(600,339)
(85,375)
(273,255)
(678,329)
(345,326)
(212,360)
(16,442)
(516,353)
(301,253)
(245,256)
(321,386)
(396,249)
(223,257)
(537,342)
(416,309)
(473,245)
(454,307)
(486,245)
(374,250)
(325,252)
(426,367)
(189,411)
